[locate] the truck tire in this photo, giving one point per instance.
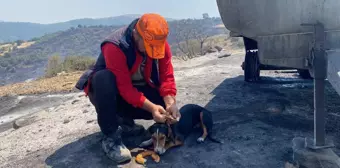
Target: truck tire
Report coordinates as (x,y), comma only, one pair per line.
(304,74)
(251,67)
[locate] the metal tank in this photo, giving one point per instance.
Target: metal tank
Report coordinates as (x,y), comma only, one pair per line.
(298,34)
(278,27)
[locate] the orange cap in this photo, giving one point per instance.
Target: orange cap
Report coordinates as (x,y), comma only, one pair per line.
(154,30)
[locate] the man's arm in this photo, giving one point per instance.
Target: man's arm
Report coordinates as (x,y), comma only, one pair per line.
(166,73)
(116,63)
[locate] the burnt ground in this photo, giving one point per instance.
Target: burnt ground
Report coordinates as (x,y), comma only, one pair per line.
(256,121)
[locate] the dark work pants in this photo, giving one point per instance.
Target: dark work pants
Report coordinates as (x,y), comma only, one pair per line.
(104,95)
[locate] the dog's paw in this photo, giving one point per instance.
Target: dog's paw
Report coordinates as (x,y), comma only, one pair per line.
(200,140)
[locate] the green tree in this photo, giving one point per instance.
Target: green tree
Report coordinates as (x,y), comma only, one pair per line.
(53,66)
(34,39)
(205,16)
(19,42)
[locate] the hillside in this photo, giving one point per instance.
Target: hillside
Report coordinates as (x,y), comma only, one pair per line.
(11,31)
(74,41)
(84,40)
(30,62)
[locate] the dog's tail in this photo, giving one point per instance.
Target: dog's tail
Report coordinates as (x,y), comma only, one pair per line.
(214,139)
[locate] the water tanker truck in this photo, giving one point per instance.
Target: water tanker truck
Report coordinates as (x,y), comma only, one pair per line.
(298,34)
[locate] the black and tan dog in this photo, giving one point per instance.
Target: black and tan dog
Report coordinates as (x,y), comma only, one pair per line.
(166,136)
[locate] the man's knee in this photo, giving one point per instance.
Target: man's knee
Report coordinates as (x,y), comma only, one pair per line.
(104,80)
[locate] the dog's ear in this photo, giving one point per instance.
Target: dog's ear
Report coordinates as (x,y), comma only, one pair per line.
(162,128)
(152,129)
(169,130)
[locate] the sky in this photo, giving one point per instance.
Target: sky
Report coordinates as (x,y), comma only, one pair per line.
(52,11)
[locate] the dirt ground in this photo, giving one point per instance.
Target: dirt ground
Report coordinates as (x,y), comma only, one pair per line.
(257,122)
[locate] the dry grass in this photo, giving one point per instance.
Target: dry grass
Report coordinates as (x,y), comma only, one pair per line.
(5,45)
(26,44)
(7,48)
(220,26)
(69,64)
(60,83)
(231,44)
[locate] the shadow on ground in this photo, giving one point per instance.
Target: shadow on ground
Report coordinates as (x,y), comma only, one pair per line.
(256,121)
(85,152)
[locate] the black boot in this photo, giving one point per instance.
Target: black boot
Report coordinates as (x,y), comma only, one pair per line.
(114,147)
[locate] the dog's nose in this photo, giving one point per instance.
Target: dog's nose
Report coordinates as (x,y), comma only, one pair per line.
(159,151)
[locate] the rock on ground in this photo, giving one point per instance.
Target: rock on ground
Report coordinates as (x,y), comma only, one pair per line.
(21,122)
(257,122)
(219,48)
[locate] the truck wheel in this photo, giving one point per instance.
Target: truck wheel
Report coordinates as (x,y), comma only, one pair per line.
(251,67)
(304,74)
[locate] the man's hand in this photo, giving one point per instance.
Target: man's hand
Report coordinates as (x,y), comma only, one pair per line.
(172,109)
(158,113)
